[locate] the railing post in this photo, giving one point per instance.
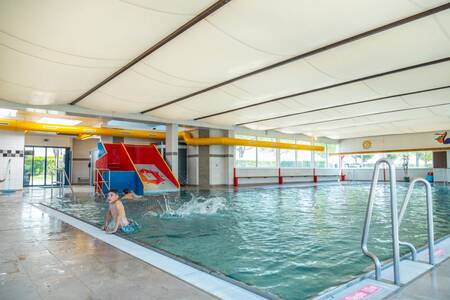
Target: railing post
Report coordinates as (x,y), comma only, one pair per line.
(280,178)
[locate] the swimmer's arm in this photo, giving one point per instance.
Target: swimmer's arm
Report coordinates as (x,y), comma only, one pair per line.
(107,220)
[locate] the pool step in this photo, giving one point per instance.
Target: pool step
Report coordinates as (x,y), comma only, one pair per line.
(409,270)
(367,289)
(441,252)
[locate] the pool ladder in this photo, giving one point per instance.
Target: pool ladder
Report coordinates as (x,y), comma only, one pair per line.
(396,220)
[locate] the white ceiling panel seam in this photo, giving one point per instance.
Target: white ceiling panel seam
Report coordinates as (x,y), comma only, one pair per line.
(21,52)
(369,115)
(407,20)
(350,104)
(121,60)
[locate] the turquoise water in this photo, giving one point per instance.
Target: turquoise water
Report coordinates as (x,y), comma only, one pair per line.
(293,242)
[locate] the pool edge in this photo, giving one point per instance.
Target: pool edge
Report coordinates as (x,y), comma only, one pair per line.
(330,293)
(198,276)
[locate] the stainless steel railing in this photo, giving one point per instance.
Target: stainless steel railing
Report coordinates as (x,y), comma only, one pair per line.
(430,225)
(61,179)
(394,220)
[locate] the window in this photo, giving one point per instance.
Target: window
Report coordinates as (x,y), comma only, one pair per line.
(303,157)
(266,157)
(287,157)
(420,159)
(320,157)
(333,160)
(424,159)
(245,156)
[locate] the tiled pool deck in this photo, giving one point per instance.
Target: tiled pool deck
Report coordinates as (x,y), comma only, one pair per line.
(42,257)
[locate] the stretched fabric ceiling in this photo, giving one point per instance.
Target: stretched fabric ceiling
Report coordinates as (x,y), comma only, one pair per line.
(51,52)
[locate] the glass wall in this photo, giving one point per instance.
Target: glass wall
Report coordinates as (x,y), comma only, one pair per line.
(266,157)
(258,157)
(303,157)
(419,159)
(287,157)
(245,156)
(40,164)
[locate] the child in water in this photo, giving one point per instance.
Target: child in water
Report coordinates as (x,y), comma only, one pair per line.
(116,213)
(130,196)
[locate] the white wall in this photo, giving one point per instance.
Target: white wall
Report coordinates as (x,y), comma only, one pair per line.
(80,159)
(48,140)
(12,147)
(366,174)
(392,142)
(290,175)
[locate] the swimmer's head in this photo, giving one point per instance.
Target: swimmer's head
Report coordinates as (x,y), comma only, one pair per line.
(126,191)
(113,196)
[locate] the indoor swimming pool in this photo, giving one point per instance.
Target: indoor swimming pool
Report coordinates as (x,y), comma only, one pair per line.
(292,242)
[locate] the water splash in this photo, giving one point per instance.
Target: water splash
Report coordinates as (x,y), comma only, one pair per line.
(198,205)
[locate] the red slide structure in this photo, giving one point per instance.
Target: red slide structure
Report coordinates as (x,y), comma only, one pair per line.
(121,161)
(152,169)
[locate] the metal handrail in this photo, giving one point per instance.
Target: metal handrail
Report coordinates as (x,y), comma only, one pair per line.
(62,174)
(102,180)
(429,219)
(394,220)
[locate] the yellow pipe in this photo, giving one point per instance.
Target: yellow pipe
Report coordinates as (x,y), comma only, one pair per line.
(243,142)
(81,131)
(84,132)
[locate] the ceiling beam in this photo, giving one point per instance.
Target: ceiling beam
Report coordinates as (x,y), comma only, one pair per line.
(366,115)
(208,11)
(330,86)
(347,104)
(310,53)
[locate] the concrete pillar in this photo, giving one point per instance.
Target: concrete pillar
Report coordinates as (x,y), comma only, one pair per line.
(172,147)
(229,161)
(203,160)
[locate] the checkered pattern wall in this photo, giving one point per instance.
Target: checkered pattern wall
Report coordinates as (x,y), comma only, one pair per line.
(11,153)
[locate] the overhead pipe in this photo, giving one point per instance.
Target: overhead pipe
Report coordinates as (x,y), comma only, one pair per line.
(227,141)
(84,132)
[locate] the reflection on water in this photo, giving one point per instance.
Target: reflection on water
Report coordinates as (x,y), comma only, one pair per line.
(292,242)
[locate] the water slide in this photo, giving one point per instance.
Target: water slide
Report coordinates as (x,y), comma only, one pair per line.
(153,171)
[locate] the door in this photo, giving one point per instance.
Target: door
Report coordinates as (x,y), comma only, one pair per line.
(41,162)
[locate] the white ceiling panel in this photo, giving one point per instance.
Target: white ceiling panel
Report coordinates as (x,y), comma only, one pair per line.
(374,107)
(432,76)
(203,104)
(95,29)
(443,110)
(57,47)
(291,23)
(204,53)
(109,103)
(413,43)
(292,78)
(339,95)
(43,77)
(428,98)
(138,87)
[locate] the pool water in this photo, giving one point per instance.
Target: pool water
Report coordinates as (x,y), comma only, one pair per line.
(293,242)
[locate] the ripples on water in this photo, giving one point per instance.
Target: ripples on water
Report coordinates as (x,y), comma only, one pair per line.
(292,242)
